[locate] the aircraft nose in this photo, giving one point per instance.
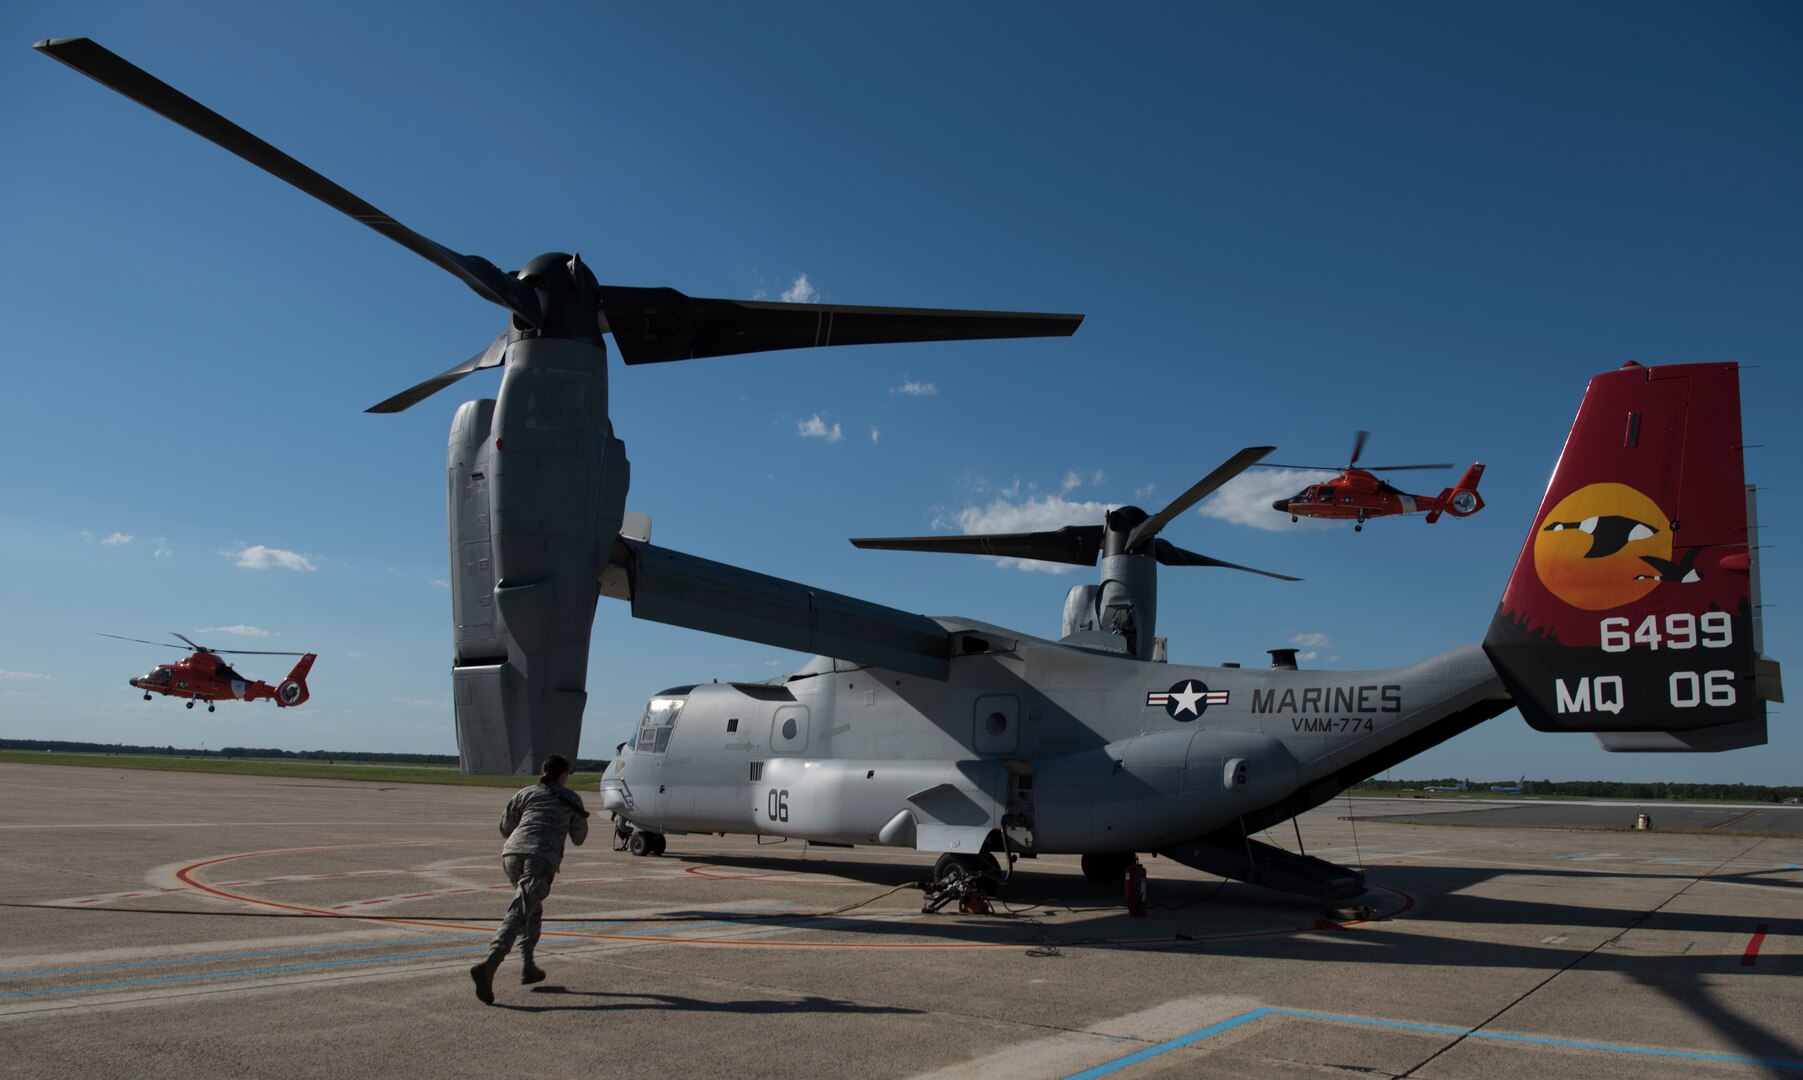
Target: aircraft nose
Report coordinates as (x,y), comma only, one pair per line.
(1281,504)
(132,682)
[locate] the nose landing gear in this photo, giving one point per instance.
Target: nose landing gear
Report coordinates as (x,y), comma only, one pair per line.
(642,843)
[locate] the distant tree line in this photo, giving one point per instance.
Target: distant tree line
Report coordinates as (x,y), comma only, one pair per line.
(371,756)
(1638,791)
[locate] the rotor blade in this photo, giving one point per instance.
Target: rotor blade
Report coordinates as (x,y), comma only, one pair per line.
(1228,469)
(487,358)
(1397,468)
(254,652)
(116,73)
(1358,447)
(190,642)
(141,641)
(1171,555)
(1075,544)
(651,326)
(1304,468)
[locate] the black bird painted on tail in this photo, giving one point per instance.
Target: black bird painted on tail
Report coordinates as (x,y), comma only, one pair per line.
(1609,533)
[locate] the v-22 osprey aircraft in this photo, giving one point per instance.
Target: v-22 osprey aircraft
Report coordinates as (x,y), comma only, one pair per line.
(1633,612)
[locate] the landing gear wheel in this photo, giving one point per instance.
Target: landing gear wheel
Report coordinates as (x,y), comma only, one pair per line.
(642,843)
(190,703)
(1108,867)
(1360,527)
(1292,519)
(210,707)
(657,843)
(146,697)
(983,870)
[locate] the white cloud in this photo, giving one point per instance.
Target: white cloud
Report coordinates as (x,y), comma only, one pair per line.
(1309,655)
(28,676)
(1247,499)
(114,539)
(422,703)
(1144,493)
(240,629)
(262,558)
(438,583)
(874,436)
(1071,481)
(1310,640)
(163,547)
(815,428)
(802,292)
(916,389)
(1036,513)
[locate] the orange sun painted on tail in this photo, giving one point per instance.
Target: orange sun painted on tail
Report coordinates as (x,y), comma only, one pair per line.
(1589,550)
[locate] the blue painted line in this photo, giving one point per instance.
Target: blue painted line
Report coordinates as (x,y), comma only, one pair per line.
(1435,1029)
(1180,1041)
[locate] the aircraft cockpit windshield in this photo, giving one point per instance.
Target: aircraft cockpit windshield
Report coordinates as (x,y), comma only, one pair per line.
(160,677)
(659,720)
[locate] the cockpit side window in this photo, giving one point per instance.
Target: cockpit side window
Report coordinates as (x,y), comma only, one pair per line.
(657,724)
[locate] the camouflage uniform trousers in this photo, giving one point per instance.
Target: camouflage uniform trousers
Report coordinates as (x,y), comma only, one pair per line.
(531,877)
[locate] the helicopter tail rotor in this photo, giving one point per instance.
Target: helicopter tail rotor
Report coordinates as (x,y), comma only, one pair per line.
(293,689)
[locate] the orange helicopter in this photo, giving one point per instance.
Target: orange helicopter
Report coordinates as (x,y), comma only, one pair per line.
(205,676)
(1358,495)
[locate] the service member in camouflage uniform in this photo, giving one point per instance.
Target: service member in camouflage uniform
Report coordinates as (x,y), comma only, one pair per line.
(535,822)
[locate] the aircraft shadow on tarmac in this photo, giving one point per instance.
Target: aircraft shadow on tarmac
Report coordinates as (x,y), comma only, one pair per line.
(625,1002)
(1214,916)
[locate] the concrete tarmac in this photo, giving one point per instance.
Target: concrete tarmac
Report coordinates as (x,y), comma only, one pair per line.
(203,926)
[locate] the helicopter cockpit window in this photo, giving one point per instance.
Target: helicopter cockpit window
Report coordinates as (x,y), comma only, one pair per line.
(1325,492)
(162,675)
(659,720)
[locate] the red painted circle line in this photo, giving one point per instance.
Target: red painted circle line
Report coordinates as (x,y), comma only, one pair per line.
(186,876)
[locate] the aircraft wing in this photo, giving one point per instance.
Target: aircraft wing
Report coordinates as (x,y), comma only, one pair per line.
(670,587)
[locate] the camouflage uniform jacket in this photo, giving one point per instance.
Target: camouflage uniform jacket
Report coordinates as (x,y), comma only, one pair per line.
(537,819)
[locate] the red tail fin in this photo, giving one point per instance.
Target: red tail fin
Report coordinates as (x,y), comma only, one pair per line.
(1461,500)
(1630,609)
(293,690)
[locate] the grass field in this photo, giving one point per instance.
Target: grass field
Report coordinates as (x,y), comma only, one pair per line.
(379,772)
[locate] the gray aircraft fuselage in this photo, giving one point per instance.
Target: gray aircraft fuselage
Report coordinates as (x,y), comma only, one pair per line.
(1065,748)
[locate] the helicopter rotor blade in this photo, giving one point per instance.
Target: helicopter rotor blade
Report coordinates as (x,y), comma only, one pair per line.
(1226,471)
(1358,447)
(1397,468)
(254,652)
(492,356)
(190,642)
(116,73)
(652,326)
(1075,544)
(141,641)
(1171,555)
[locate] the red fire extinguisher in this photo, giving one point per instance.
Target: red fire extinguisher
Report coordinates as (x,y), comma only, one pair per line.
(1136,891)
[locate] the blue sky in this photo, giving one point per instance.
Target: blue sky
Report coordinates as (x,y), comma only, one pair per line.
(1284,223)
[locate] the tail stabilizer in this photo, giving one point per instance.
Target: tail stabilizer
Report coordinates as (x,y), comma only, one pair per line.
(1631,610)
(293,689)
(1462,499)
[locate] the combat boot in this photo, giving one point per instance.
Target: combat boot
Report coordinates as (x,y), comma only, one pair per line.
(483,975)
(530,972)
